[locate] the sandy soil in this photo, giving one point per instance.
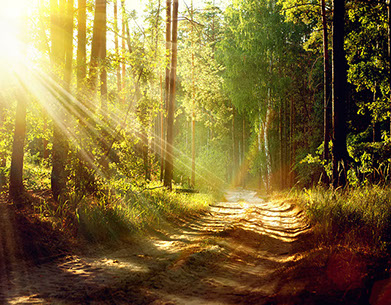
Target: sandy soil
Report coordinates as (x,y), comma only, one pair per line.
(244,251)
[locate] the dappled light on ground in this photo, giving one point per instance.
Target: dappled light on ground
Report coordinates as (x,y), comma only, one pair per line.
(231,254)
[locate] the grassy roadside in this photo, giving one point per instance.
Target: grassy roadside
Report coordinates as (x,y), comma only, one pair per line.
(357,218)
(114,216)
(347,256)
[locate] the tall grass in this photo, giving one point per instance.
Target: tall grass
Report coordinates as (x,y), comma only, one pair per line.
(118,216)
(357,216)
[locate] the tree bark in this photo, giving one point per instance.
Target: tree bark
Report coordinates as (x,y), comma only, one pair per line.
(68,44)
(98,47)
(193,155)
(81,45)
(234,147)
(169,162)
(16,188)
(291,143)
(161,130)
(326,82)
(103,73)
(116,46)
(60,144)
(168,52)
(123,68)
(280,127)
(340,154)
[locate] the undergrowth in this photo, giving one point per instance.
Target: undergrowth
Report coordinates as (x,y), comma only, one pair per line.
(356,217)
(113,216)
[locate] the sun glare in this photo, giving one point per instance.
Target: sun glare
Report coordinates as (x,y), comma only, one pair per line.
(13,25)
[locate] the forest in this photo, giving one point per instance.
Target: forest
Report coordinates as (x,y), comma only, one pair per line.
(123,119)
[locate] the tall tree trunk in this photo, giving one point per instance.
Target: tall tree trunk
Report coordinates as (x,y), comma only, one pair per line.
(281,138)
(234,147)
(193,150)
(98,46)
(103,73)
(169,162)
(116,46)
(81,46)
(193,156)
(45,141)
(145,141)
(168,52)
(291,143)
(267,144)
(161,129)
(60,144)
(326,88)
(16,187)
(340,154)
(68,44)
(123,68)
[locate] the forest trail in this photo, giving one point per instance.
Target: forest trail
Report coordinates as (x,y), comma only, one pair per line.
(234,254)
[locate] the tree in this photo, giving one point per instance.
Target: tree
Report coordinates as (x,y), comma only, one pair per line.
(81,45)
(16,188)
(340,154)
(169,160)
(167,76)
(116,46)
(326,84)
(263,58)
(98,53)
(60,37)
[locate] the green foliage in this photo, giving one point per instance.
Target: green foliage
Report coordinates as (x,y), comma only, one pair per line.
(37,173)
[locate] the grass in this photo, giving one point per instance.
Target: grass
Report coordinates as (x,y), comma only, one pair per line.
(119,215)
(110,215)
(356,217)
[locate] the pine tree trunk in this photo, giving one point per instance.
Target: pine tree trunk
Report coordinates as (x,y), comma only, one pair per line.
(116,46)
(234,145)
(81,46)
(193,147)
(68,44)
(280,114)
(168,52)
(340,155)
(326,81)
(98,48)
(16,188)
(291,143)
(161,130)
(60,39)
(169,162)
(123,68)
(102,59)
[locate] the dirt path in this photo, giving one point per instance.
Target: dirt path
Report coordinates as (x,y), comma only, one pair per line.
(233,255)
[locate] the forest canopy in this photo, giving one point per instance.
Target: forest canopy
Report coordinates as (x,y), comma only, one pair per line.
(98,97)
